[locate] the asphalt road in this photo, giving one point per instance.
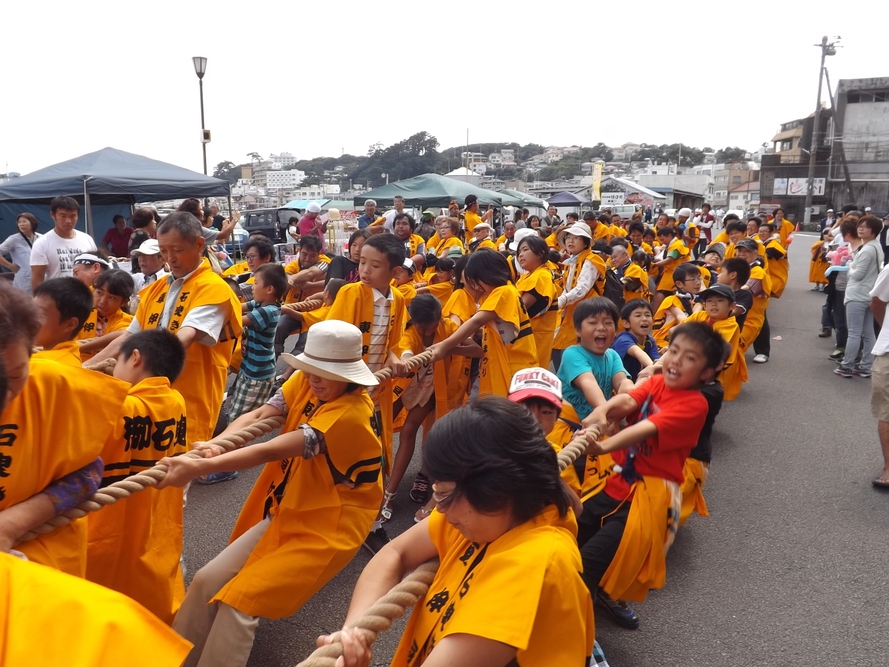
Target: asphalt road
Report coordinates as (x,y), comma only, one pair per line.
(790,568)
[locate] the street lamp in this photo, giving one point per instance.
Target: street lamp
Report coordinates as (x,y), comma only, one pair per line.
(200,68)
(827,49)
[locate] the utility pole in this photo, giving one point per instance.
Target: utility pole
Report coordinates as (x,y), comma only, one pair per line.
(826,50)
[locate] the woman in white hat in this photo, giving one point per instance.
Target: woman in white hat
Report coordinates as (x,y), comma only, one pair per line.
(310,509)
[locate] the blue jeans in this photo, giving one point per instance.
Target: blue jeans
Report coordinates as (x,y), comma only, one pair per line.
(860,321)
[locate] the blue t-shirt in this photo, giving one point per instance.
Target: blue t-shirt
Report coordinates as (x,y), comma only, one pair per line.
(622,344)
(576,360)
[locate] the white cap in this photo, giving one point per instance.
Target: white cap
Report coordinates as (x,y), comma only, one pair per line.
(830,210)
(409,265)
(149,247)
(684,212)
(536,383)
(482,225)
(313,207)
(578,229)
(523,233)
(867,209)
(89,258)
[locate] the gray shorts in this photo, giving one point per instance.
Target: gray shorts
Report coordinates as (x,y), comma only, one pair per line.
(879,397)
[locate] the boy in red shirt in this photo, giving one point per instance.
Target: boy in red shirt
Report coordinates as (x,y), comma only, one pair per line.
(625,529)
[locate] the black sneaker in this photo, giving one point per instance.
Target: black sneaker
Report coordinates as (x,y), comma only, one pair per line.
(836,355)
(420,489)
(620,612)
(376,540)
(857,372)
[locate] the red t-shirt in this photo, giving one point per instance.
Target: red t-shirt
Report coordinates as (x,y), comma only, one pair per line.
(679,415)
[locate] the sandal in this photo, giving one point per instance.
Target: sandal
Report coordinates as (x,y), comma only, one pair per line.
(881,482)
(386,509)
(424,512)
(420,489)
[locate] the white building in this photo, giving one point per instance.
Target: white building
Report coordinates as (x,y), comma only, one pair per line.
(284,180)
(330,188)
(284,159)
(508,156)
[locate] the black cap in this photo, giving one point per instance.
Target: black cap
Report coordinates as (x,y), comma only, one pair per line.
(719,290)
(747,244)
(469,201)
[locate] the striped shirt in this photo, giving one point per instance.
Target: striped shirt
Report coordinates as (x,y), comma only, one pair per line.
(378,350)
(259,350)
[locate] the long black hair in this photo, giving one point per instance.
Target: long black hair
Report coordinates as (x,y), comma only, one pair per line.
(498,456)
(487,266)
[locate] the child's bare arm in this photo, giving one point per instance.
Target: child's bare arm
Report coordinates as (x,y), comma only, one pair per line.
(591,390)
(639,355)
(677,313)
(613,410)
(624,439)
(622,383)
(466,330)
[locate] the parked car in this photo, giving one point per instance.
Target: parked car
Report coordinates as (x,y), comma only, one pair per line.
(625,211)
(270,221)
(234,246)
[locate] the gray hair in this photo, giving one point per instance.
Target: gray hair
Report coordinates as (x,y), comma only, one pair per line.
(188,226)
(372,202)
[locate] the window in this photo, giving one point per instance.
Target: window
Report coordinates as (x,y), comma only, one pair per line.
(861,97)
(736,180)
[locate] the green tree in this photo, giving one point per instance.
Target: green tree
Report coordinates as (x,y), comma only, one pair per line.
(418,154)
(728,154)
(227,171)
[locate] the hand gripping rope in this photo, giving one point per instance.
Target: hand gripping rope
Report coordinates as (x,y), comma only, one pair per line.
(142,480)
(410,590)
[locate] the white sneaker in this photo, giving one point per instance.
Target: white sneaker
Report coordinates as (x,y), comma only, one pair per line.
(760,359)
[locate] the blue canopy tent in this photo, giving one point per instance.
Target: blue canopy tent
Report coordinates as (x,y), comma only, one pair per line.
(106,182)
(435,190)
(567,199)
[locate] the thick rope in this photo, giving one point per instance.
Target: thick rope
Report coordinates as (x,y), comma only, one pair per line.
(413,588)
(308,304)
(147,478)
(142,480)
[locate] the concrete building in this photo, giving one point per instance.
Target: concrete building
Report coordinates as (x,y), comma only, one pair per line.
(744,197)
(679,190)
(784,173)
(284,159)
(284,180)
(860,142)
(727,177)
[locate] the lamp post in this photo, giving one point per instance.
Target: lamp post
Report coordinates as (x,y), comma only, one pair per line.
(826,50)
(200,68)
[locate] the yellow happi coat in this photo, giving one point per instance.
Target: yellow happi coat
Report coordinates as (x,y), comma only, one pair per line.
(355,304)
(56,425)
(202,381)
(85,624)
(507,341)
(322,508)
(540,280)
(134,546)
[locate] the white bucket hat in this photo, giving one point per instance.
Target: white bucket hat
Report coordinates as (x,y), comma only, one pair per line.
(577,229)
(333,351)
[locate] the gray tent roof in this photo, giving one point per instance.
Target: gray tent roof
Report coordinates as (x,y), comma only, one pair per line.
(111,174)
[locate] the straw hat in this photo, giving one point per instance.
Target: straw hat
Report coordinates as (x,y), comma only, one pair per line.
(333,214)
(333,351)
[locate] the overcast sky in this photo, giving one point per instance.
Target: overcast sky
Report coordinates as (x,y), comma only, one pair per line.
(319,78)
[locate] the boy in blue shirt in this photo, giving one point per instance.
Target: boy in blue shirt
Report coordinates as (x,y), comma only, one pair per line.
(635,346)
(592,372)
(255,383)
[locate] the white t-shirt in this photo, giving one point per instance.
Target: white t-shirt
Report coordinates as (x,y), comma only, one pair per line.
(881,291)
(58,254)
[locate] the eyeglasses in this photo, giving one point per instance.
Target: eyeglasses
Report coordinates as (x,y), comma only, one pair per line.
(248,257)
(442,499)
